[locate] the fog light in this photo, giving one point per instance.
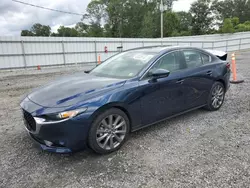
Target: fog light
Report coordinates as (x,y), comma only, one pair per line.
(48,143)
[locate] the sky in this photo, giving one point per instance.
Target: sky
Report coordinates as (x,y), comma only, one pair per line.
(15,17)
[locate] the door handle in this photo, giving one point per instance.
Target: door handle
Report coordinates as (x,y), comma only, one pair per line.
(209,73)
(180,81)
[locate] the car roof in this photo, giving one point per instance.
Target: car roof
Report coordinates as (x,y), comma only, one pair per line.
(156,49)
(161,49)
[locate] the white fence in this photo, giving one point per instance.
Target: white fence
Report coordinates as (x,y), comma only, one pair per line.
(21,52)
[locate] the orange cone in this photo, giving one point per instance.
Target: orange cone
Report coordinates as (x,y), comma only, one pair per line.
(99,60)
(235,81)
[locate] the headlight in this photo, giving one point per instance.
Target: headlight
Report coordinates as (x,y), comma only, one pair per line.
(62,116)
(70,114)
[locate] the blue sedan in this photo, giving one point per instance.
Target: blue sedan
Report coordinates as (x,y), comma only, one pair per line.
(129,91)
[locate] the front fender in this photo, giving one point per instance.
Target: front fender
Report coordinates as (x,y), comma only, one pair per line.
(126,99)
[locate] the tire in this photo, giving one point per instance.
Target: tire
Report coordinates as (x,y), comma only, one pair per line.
(217,92)
(108,132)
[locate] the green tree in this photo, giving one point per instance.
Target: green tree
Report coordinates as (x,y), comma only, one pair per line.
(95,13)
(202,17)
(141,18)
(185,21)
(171,23)
(82,29)
(231,8)
(132,18)
(66,32)
(26,33)
(123,18)
(243,27)
(37,30)
(228,26)
(40,30)
(242,10)
(129,18)
(247,23)
(54,34)
(113,14)
(107,31)
(235,21)
(95,30)
(222,10)
(149,27)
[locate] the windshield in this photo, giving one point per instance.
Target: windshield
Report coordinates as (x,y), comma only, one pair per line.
(124,65)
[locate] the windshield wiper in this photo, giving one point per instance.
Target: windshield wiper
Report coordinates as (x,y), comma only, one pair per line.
(87,71)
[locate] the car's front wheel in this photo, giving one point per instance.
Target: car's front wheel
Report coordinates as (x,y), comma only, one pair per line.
(109,131)
(216,97)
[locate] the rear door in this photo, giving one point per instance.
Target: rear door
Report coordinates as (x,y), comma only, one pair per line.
(199,77)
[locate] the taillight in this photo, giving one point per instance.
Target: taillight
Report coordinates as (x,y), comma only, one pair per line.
(228,65)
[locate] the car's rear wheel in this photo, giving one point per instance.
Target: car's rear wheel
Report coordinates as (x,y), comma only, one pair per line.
(109,131)
(216,97)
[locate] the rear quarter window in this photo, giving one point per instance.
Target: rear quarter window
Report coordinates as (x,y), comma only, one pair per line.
(206,58)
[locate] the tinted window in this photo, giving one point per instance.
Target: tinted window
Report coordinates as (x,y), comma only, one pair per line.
(205,58)
(169,62)
(193,58)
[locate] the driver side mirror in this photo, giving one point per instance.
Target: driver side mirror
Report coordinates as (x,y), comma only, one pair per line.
(159,73)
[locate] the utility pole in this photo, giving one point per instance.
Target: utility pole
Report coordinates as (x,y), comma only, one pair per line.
(162,10)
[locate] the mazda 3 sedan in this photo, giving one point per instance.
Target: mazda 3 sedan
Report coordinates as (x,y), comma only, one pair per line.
(129,91)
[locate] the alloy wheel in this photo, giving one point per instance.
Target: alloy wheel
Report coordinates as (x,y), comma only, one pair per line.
(217,96)
(111,132)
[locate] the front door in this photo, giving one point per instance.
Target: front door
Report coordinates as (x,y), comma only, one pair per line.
(163,97)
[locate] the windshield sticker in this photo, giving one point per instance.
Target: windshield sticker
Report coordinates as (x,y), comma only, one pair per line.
(142,57)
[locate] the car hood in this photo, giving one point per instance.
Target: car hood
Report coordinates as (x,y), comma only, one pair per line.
(69,90)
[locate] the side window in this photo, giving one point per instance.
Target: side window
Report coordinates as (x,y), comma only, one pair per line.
(193,58)
(169,62)
(205,58)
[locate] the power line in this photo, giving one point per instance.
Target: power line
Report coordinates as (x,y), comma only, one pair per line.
(55,10)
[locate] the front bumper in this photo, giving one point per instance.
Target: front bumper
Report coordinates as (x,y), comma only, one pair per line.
(60,137)
(64,137)
(53,149)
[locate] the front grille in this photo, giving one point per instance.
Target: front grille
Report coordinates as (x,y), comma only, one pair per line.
(29,121)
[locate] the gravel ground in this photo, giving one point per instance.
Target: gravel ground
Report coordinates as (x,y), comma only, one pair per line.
(198,149)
